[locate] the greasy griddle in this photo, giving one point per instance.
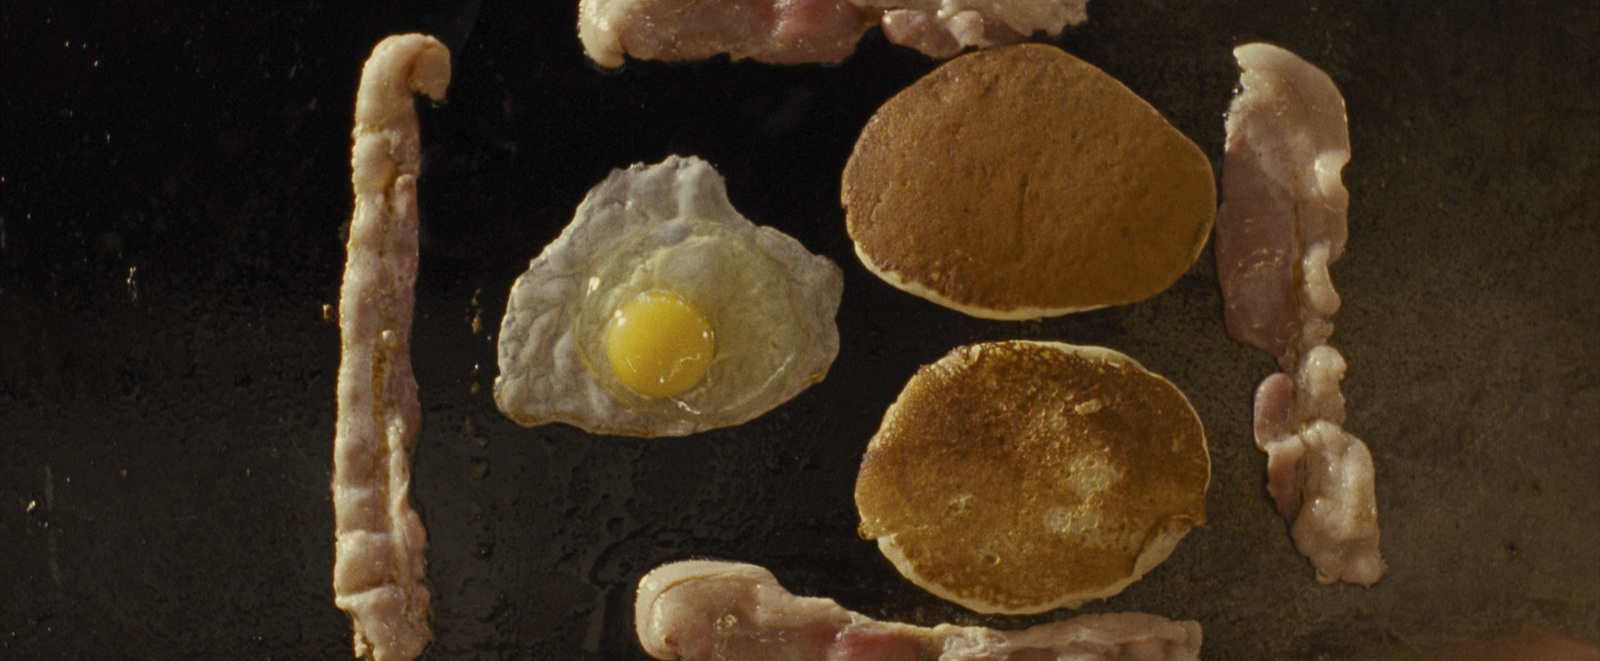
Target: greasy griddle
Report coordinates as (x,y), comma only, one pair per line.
(174,184)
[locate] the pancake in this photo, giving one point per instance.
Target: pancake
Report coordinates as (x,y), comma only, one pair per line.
(1019,477)
(1022,182)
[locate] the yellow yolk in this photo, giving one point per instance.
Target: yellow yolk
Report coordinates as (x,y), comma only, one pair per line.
(658,344)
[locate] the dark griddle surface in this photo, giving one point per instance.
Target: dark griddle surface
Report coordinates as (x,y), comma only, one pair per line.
(173,182)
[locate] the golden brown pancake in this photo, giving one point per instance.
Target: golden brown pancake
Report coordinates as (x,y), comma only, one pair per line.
(1023,182)
(1019,477)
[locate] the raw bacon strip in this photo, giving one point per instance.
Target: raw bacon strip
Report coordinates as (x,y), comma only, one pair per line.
(943,28)
(702,610)
(378,538)
(1284,208)
(796,31)
(1283,221)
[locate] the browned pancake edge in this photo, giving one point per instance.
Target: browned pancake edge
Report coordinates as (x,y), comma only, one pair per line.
(1020,476)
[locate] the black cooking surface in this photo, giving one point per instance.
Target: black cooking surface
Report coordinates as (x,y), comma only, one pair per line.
(174,182)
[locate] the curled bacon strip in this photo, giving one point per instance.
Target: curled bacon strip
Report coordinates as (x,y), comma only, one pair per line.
(378,538)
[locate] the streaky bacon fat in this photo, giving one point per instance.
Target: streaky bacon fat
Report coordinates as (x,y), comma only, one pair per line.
(702,610)
(801,31)
(1284,219)
(378,537)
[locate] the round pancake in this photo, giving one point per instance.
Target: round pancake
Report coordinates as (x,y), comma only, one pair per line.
(1020,477)
(1022,182)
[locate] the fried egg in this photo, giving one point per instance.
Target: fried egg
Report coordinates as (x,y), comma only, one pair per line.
(661,311)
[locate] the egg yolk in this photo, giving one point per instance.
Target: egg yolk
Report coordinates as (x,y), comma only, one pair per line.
(658,344)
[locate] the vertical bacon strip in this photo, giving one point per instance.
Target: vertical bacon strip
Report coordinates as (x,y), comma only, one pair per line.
(702,610)
(378,538)
(1283,221)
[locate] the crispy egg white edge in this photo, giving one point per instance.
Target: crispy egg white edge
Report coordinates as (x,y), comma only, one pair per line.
(536,330)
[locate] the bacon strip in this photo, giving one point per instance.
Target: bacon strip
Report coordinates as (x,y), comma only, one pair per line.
(378,538)
(797,31)
(1283,221)
(701,610)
